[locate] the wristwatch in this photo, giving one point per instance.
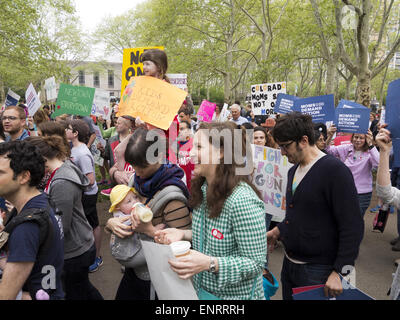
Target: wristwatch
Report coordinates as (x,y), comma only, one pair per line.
(213,266)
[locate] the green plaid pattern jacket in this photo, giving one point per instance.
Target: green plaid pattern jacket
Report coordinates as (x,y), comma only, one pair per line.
(237,238)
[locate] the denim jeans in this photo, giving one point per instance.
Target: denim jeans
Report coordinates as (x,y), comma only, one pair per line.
(295,275)
(364,200)
(268,218)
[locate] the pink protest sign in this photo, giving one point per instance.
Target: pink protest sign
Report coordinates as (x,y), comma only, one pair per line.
(206,111)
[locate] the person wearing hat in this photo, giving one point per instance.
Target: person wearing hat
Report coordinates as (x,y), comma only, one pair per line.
(123,198)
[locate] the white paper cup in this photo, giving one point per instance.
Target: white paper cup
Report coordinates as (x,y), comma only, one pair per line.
(180,248)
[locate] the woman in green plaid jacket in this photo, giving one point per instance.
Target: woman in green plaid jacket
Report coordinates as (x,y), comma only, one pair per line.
(228,228)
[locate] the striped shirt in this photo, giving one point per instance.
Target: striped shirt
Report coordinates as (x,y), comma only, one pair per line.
(238,240)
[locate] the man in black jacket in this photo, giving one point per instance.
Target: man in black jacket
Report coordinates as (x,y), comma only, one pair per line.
(33,267)
(323,227)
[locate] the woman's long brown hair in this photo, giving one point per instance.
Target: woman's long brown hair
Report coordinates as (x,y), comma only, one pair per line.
(227,179)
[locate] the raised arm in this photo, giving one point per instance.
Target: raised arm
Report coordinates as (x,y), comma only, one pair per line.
(384,189)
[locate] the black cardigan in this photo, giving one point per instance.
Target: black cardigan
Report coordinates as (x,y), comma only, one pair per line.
(323,223)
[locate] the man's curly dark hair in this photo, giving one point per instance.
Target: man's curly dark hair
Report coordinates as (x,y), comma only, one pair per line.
(24,157)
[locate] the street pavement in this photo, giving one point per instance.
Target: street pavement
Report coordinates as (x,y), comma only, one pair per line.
(374,266)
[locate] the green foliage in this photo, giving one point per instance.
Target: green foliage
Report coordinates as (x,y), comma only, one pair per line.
(36,39)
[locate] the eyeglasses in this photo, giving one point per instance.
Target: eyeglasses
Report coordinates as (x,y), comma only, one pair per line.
(11,118)
(68,128)
(285,146)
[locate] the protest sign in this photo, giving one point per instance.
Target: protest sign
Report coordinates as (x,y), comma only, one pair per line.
(263,97)
(178,80)
(132,65)
(101,104)
(321,108)
(51,88)
(351,293)
(351,117)
(224,113)
(206,111)
(393,118)
(153,100)
(12,98)
(270,177)
(74,100)
(32,100)
(166,281)
(284,103)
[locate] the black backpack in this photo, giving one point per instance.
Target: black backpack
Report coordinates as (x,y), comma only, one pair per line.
(41,217)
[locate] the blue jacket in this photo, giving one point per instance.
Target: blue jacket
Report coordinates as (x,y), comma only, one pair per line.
(323,223)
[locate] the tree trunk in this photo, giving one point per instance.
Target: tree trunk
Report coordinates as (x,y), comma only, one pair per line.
(363,95)
(382,86)
(349,80)
(2,93)
(330,76)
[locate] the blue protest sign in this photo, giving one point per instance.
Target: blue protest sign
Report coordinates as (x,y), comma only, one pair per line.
(284,103)
(321,108)
(393,118)
(318,294)
(12,98)
(393,108)
(352,120)
(350,104)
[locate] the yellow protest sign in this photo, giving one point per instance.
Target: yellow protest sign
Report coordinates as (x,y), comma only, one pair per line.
(153,100)
(132,65)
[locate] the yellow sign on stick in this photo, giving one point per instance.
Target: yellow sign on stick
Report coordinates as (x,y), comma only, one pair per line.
(153,100)
(132,65)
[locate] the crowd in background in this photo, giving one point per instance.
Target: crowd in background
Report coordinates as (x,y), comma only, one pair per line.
(60,165)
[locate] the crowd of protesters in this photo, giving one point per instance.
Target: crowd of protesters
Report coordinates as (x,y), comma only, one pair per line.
(49,193)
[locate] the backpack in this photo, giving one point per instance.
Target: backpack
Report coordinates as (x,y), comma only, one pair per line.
(41,217)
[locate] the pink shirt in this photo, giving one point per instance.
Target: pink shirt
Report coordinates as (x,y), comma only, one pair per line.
(360,166)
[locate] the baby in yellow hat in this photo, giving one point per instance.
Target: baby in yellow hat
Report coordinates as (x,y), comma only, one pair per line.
(122,200)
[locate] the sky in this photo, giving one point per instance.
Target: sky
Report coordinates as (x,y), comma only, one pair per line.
(92,12)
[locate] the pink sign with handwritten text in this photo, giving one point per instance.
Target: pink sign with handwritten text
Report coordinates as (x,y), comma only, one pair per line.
(206,111)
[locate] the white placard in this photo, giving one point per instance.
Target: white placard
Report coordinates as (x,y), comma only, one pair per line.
(224,113)
(51,88)
(264,96)
(32,100)
(166,282)
(12,98)
(178,79)
(101,104)
(270,177)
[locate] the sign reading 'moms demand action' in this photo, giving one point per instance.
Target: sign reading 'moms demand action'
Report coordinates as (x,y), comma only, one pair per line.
(74,100)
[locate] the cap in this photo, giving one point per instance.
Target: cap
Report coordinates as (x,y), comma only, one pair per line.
(118,193)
